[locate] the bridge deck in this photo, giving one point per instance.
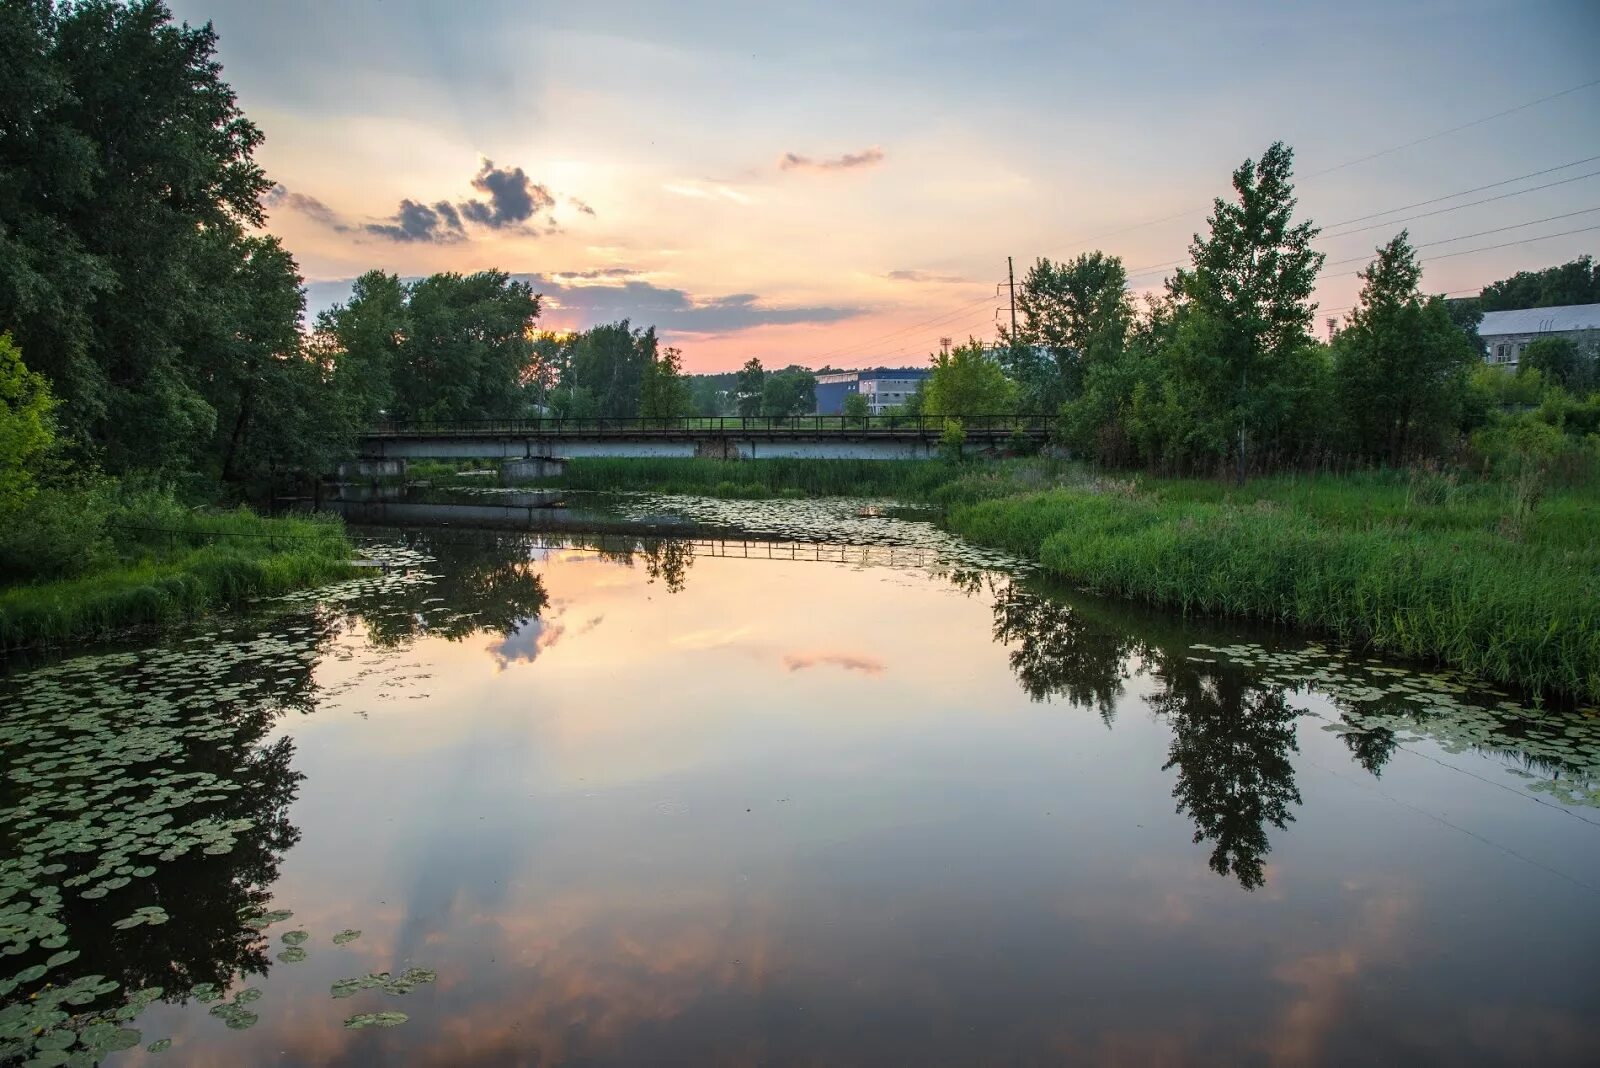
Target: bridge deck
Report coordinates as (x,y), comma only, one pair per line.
(808,426)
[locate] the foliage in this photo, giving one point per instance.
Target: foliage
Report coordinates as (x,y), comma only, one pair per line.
(445,348)
(751,388)
(1240,355)
(663,393)
(126,185)
(1562,362)
(1079,313)
(1576,282)
(754,479)
(27,428)
(856,409)
(791,391)
(1400,365)
(967,380)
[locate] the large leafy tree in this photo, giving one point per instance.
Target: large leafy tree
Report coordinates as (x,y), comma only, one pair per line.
(126,184)
(446,348)
(1077,311)
(1239,358)
(967,380)
(607,370)
(791,391)
(1400,365)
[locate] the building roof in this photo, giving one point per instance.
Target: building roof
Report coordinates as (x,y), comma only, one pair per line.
(1540,320)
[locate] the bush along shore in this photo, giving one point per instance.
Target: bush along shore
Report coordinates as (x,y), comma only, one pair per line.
(1499,577)
(151,562)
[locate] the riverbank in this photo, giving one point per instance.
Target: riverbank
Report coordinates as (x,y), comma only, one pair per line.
(1496,578)
(169,566)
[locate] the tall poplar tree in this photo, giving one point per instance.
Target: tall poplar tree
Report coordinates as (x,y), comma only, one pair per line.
(1246,311)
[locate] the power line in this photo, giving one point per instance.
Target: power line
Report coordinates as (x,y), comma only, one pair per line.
(1480,233)
(1155,267)
(1468,204)
(1078,242)
(944,316)
(1464,192)
(1509,244)
(1453,129)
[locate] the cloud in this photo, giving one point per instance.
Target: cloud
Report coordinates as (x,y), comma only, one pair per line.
(599,272)
(642,303)
(439,224)
(280,196)
(580,205)
(513,197)
(848,661)
(525,643)
(926,276)
(869,157)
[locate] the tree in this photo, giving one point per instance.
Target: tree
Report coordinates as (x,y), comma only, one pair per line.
(1245,313)
(1080,313)
(469,348)
(751,383)
(1577,282)
(607,370)
(664,394)
(856,409)
(1561,362)
(1400,365)
(27,427)
(126,184)
(791,391)
(967,381)
(362,339)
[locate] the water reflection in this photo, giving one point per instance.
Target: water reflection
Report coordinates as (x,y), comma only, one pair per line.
(804,812)
(1231,740)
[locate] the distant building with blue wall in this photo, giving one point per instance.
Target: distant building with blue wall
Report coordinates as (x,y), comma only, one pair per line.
(884,388)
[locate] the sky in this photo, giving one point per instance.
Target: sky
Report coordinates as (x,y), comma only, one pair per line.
(841,183)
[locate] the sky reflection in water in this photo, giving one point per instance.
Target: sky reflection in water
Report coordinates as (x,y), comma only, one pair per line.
(670,807)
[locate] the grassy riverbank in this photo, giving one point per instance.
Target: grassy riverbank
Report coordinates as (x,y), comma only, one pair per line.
(1495,577)
(1476,580)
(156,564)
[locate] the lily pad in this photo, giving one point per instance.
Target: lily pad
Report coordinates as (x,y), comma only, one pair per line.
(375,1019)
(345,936)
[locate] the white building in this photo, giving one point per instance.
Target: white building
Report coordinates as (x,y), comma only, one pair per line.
(1507,333)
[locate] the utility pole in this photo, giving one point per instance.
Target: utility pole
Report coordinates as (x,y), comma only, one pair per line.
(1011,280)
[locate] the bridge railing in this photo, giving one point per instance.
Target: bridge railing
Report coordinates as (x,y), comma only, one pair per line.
(932,425)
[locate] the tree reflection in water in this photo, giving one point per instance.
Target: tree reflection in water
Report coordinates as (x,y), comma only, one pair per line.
(1055,651)
(1231,740)
(1232,733)
(486,582)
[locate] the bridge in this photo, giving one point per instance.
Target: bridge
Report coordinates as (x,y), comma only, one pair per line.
(817,437)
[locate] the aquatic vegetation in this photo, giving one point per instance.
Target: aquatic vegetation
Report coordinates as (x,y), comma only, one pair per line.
(389,984)
(345,936)
(375,1019)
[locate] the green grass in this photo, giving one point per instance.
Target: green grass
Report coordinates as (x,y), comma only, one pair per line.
(165,565)
(1472,580)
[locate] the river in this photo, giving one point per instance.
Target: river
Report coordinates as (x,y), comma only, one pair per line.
(675,780)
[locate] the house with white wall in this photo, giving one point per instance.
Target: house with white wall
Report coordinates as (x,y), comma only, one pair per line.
(1506,333)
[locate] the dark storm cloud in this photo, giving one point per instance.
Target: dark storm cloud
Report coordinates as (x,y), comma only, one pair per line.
(438,224)
(643,303)
(280,196)
(850,160)
(513,197)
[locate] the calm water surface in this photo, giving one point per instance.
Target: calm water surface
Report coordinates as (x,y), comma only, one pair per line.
(607,801)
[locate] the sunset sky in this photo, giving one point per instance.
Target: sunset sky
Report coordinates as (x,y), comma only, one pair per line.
(842,182)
